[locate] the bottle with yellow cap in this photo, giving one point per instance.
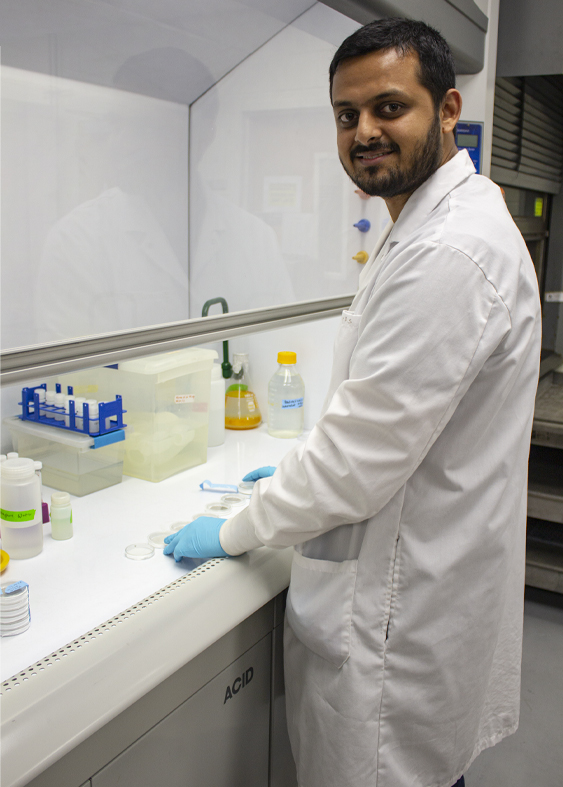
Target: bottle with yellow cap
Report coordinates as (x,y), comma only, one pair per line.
(286,393)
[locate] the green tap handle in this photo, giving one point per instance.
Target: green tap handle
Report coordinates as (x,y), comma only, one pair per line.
(225,366)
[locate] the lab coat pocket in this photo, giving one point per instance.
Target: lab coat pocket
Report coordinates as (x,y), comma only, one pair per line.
(319,605)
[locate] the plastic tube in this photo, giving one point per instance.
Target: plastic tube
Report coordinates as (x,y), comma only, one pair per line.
(50,402)
(79,421)
(69,399)
(61,516)
(60,403)
(94,421)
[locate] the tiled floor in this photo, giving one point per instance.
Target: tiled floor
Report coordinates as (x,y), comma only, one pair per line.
(533,756)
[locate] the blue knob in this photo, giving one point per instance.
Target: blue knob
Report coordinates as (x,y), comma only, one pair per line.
(363,225)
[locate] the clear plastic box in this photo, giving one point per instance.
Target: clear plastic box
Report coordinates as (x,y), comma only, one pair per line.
(69,462)
(166,399)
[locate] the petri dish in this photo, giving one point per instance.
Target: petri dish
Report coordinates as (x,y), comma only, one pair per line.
(156,539)
(12,590)
(177,526)
(10,623)
(204,513)
(5,632)
(139,551)
(14,612)
(246,487)
(217,508)
(234,500)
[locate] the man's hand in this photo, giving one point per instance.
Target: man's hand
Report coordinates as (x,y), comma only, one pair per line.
(262,472)
(199,538)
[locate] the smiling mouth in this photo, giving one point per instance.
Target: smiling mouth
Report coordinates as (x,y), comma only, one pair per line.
(371,156)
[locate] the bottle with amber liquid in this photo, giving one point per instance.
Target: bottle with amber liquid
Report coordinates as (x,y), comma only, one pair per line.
(241,407)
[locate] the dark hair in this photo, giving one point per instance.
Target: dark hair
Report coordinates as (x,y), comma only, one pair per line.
(436,69)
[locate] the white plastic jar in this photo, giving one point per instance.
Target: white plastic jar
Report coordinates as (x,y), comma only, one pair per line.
(216,429)
(21,511)
(61,516)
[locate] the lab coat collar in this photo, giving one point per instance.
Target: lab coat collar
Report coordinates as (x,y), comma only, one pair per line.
(423,201)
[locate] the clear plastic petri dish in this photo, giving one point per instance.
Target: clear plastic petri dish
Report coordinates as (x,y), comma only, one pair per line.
(11,614)
(204,513)
(246,487)
(177,526)
(17,603)
(217,508)
(13,590)
(11,632)
(156,539)
(234,500)
(11,623)
(139,551)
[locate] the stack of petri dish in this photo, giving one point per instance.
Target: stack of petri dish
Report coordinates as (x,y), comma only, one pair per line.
(14,608)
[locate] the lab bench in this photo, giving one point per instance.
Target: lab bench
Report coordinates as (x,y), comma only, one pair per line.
(149,672)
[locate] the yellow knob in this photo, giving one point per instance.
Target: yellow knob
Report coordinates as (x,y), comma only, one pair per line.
(362,257)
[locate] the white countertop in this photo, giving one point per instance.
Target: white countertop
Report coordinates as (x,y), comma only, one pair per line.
(77,585)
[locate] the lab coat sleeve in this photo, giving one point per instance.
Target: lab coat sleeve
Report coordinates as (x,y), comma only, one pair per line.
(432,321)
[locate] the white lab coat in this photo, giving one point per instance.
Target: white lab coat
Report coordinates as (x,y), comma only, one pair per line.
(408,502)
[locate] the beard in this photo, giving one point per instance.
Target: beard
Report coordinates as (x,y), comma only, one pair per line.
(379,182)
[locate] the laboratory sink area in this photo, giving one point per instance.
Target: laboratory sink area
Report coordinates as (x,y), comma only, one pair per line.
(107,630)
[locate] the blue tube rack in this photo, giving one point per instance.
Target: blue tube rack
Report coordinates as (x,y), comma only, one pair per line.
(110,416)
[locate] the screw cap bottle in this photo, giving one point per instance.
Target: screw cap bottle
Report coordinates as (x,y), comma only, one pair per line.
(286,393)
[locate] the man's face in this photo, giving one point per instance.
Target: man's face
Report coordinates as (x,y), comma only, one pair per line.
(388,131)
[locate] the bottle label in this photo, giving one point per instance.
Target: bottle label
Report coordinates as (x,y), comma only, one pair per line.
(17,516)
(290,404)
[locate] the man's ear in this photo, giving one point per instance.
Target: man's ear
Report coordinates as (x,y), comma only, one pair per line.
(450,110)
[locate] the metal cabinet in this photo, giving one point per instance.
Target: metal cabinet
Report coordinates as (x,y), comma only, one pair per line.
(219,736)
(219,720)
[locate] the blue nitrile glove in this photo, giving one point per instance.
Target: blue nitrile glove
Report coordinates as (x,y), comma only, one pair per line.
(199,538)
(262,472)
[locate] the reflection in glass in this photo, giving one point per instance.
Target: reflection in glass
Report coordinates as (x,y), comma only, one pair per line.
(271,209)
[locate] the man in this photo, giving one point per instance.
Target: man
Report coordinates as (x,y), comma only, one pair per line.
(407,503)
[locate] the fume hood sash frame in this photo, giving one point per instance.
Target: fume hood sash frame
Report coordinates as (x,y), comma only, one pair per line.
(20,365)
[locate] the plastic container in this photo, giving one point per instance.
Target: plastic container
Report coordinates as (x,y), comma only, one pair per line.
(14,608)
(156,539)
(44,506)
(61,516)
(216,433)
(69,462)
(167,401)
(139,551)
(286,393)
(234,500)
(78,404)
(219,509)
(21,511)
(50,401)
(241,406)
(93,415)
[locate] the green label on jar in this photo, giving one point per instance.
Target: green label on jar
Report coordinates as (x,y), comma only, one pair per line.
(17,516)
